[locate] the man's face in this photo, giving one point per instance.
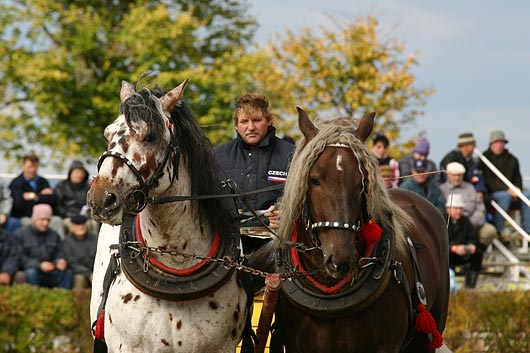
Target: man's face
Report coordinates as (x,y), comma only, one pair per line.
(417,155)
(79,230)
(29,169)
(455,212)
(466,149)
(77,176)
(379,149)
(497,147)
(455,179)
(252,127)
(419,177)
(41,224)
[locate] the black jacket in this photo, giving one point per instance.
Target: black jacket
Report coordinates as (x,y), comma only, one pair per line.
(255,168)
(36,247)
(9,255)
(508,165)
(81,253)
(461,232)
(24,208)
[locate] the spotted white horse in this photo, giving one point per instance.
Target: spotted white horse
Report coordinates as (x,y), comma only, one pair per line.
(157,299)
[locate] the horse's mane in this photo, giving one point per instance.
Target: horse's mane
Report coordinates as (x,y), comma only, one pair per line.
(379,205)
(195,148)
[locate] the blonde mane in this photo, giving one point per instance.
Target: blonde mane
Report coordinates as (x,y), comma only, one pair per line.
(379,205)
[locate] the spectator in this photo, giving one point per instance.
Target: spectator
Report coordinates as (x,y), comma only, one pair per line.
(380,150)
(9,258)
(255,159)
(463,247)
(387,174)
(7,223)
(420,151)
(423,185)
(41,251)
(474,208)
(463,154)
(29,189)
(80,251)
(508,165)
(71,195)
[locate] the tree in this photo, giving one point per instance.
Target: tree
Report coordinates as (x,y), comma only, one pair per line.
(62,62)
(350,70)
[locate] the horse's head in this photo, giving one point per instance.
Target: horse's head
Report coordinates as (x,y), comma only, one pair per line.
(336,196)
(142,156)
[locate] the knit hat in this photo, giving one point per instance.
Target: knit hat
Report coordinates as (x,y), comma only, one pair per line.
(497,135)
(422,146)
(78,219)
(455,168)
(466,138)
(40,211)
(455,200)
(420,165)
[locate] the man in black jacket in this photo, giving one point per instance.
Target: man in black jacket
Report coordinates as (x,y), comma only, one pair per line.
(9,257)
(255,159)
(508,165)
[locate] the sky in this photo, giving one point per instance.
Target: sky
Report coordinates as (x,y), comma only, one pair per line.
(476,54)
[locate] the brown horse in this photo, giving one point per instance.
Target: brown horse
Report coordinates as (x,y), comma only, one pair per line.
(379,262)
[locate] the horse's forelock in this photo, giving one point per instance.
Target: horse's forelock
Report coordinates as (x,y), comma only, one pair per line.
(144,106)
(379,204)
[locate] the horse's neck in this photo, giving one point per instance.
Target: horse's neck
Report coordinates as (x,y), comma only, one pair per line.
(176,226)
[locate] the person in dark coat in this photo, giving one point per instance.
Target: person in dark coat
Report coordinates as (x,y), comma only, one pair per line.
(71,192)
(508,165)
(9,257)
(41,251)
(463,242)
(420,152)
(255,159)
(80,248)
(29,189)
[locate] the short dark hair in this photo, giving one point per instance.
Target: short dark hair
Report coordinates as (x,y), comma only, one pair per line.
(32,157)
(380,137)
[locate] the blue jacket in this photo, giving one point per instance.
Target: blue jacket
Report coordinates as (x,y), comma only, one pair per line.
(434,194)
(255,168)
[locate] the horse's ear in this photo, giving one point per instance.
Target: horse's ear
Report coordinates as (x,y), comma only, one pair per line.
(171,98)
(365,126)
(127,90)
(306,125)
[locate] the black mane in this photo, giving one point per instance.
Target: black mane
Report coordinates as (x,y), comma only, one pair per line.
(194,147)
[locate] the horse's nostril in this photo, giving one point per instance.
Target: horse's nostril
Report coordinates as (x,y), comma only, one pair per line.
(330,265)
(110,200)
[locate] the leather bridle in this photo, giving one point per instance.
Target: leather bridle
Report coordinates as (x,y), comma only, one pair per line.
(136,198)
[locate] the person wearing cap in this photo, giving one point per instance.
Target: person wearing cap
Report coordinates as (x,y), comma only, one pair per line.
(387,174)
(41,251)
(80,248)
(474,207)
(507,164)
(420,151)
(9,257)
(423,185)
(380,144)
(463,249)
(463,154)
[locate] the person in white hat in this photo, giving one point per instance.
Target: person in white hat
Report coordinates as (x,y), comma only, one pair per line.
(474,207)
(463,154)
(508,165)
(463,249)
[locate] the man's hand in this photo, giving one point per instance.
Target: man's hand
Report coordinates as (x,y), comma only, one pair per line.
(47,191)
(61,264)
(463,249)
(30,196)
(274,217)
(47,266)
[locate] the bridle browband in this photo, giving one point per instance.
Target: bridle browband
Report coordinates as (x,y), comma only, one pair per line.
(135,199)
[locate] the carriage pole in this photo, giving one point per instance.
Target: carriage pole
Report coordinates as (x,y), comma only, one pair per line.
(273,283)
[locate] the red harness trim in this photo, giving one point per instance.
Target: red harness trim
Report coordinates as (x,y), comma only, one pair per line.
(296,261)
(184,271)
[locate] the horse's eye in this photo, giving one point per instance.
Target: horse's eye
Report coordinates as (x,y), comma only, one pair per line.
(314,180)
